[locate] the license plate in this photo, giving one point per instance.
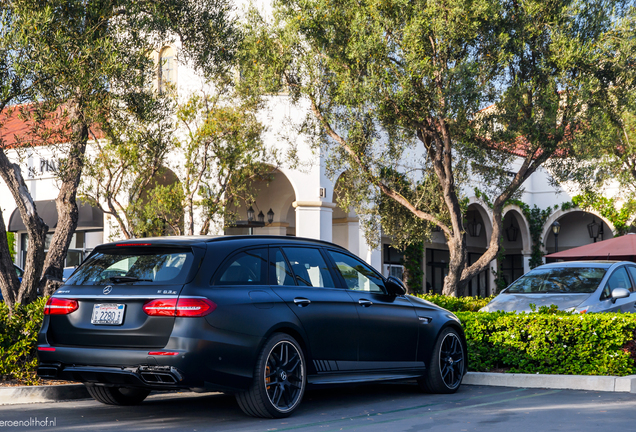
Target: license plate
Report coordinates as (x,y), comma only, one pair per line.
(108,314)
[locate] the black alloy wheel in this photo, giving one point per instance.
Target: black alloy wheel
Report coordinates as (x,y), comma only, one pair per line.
(279,379)
(448,364)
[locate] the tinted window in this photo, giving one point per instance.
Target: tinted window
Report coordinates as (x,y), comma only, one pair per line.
(18,271)
(558,279)
(357,276)
(618,279)
(143,265)
(309,267)
(244,268)
(281,274)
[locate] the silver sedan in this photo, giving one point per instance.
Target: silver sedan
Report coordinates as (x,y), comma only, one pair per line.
(581,286)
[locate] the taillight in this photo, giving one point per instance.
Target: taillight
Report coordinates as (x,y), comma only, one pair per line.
(160,307)
(183,307)
(60,306)
(194,307)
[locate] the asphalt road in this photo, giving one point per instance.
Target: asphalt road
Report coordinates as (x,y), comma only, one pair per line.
(386,407)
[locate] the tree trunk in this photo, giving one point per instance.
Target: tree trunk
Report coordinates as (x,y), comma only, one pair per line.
(25,292)
(66,204)
(454,284)
(9,282)
(189,217)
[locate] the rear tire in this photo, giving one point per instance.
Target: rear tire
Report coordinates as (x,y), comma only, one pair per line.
(448,364)
(118,395)
(279,379)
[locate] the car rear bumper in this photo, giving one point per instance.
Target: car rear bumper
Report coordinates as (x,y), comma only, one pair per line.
(197,366)
(155,377)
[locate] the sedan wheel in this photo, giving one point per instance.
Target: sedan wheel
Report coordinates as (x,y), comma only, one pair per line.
(279,379)
(448,364)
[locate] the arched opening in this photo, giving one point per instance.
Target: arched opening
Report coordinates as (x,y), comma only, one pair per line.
(478,228)
(345,224)
(576,228)
(516,245)
(167,69)
(271,212)
(158,210)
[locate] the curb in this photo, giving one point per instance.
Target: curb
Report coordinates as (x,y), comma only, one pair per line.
(39,394)
(567,382)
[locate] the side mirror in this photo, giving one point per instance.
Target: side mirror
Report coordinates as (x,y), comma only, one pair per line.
(619,293)
(395,286)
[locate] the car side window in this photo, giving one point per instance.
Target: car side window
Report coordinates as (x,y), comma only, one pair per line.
(632,272)
(618,279)
(309,267)
(280,273)
(357,276)
(245,268)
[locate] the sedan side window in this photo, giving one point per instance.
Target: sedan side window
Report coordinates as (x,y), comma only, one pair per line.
(357,276)
(245,268)
(618,279)
(309,267)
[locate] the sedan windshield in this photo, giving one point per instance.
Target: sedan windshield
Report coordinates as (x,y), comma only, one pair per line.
(558,280)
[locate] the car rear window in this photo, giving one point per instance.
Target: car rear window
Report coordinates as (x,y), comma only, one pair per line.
(558,280)
(135,265)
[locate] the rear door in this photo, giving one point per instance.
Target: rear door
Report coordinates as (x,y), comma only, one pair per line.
(303,280)
(111,288)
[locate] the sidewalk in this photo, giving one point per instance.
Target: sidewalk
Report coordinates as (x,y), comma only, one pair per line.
(55,393)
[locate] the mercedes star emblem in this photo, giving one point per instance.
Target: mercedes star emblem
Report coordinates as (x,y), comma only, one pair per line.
(108,289)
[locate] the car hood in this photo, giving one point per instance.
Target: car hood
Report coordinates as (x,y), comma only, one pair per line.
(521,302)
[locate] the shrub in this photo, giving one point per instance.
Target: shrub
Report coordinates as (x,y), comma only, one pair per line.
(551,343)
(457,304)
(18,339)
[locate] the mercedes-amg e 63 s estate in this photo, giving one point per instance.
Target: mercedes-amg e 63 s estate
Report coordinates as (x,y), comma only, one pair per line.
(261,317)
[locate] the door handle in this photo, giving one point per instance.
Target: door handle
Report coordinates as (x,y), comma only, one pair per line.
(365,302)
(301,301)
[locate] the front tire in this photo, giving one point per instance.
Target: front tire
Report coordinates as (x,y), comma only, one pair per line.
(118,395)
(448,364)
(279,379)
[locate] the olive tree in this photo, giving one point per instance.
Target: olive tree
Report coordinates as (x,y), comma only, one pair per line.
(84,61)
(412,97)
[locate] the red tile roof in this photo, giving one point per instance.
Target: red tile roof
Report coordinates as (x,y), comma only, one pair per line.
(19,127)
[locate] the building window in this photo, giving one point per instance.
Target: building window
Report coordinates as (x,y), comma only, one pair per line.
(478,286)
(393,262)
(512,268)
(167,69)
(436,270)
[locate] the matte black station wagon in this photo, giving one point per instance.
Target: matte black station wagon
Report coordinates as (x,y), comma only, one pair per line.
(261,317)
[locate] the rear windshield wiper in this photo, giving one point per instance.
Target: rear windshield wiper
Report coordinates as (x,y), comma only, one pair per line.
(124,279)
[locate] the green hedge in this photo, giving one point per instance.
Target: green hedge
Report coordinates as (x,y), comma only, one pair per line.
(457,304)
(551,343)
(18,339)
(545,342)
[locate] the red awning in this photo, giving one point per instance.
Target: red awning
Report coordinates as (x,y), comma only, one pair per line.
(616,249)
